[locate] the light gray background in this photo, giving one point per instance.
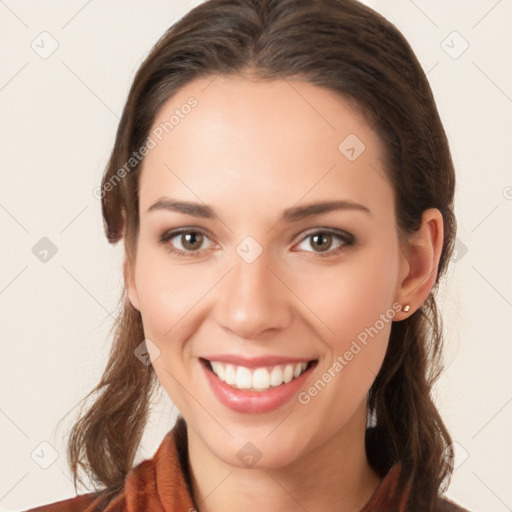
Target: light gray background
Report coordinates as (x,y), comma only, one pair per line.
(59,115)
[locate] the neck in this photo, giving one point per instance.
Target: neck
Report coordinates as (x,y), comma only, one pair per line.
(333,476)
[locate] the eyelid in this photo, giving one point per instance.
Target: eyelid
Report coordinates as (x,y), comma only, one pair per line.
(171,233)
(168,235)
(347,238)
(345,235)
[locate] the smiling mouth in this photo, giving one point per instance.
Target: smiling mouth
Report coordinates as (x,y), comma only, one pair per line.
(259,379)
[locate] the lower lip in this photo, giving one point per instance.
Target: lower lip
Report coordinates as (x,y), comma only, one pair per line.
(254,402)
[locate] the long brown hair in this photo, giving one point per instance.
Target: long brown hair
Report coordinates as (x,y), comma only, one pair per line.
(343,46)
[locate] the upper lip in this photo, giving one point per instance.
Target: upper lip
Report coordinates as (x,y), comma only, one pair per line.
(256,362)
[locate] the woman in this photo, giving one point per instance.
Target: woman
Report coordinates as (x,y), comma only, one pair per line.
(284,189)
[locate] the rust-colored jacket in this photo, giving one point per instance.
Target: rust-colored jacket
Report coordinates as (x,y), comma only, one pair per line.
(161,484)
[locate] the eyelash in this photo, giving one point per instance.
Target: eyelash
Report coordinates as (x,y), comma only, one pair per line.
(347,239)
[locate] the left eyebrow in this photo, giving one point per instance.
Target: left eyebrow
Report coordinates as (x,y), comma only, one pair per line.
(297,213)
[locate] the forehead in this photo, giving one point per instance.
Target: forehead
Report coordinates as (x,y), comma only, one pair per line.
(281,137)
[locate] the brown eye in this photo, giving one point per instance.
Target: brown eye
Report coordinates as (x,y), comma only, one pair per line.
(191,241)
(326,243)
(186,242)
(322,241)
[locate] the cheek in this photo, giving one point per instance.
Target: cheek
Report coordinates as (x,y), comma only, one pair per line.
(167,292)
(168,298)
(353,303)
(351,297)
(354,318)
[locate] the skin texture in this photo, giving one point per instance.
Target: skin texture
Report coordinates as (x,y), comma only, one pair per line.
(251,149)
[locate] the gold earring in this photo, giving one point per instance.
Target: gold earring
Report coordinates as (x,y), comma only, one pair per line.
(406,308)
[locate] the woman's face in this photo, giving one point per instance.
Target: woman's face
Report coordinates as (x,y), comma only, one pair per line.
(259,278)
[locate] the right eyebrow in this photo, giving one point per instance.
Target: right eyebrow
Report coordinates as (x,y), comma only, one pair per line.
(186,207)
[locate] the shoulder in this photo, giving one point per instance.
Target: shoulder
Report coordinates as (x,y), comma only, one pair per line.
(77,504)
(445,505)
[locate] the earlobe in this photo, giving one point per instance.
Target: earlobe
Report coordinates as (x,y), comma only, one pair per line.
(423,255)
(129,280)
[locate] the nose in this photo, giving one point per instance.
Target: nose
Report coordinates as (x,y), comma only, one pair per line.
(252,299)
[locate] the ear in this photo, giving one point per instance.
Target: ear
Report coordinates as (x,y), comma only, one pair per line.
(129,280)
(420,263)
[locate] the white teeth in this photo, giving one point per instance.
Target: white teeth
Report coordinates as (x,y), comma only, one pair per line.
(276,377)
(230,375)
(243,378)
(219,370)
(288,373)
(259,379)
